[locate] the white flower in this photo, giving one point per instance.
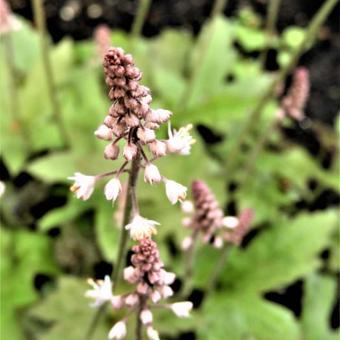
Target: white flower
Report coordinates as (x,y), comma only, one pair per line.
(180,141)
(168,277)
(141,227)
(187,207)
(182,309)
(2,188)
(118,331)
(152,333)
(103,132)
(101,292)
(152,174)
(112,189)
(175,191)
(155,296)
(83,185)
(230,222)
(146,316)
(166,291)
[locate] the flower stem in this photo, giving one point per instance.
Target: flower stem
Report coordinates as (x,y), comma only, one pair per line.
(131,188)
(218,269)
(255,114)
(273,10)
(189,264)
(40,22)
(137,26)
(139,335)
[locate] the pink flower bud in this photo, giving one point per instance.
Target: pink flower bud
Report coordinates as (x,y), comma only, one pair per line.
(111,151)
(103,132)
(130,151)
(109,121)
(157,148)
(146,135)
(158,116)
(131,120)
(131,300)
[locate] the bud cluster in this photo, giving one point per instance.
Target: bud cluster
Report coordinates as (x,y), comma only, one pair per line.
(132,120)
(151,283)
(294,102)
(206,218)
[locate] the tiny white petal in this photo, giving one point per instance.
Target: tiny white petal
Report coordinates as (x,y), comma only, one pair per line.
(180,141)
(152,174)
(230,222)
(103,132)
(83,185)
(152,333)
(182,309)
(187,207)
(168,277)
(146,316)
(101,291)
(141,227)
(112,189)
(186,243)
(175,191)
(118,331)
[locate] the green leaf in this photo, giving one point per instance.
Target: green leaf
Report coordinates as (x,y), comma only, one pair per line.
(243,316)
(60,216)
(23,254)
(212,58)
(319,299)
(67,311)
(54,167)
(280,255)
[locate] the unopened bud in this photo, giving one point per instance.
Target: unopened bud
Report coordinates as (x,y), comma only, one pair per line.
(111,151)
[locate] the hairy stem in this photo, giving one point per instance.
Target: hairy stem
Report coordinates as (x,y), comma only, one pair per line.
(40,22)
(255,114)
(273,10)
(218,268)
(131,189)
(137,26)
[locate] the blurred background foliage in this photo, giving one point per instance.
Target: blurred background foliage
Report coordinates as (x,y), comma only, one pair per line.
(281,282)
